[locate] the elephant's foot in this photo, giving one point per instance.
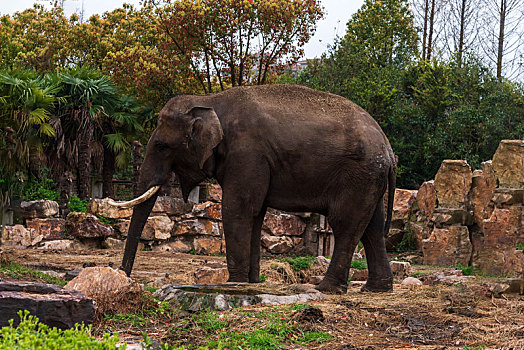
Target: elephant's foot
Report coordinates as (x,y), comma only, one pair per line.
(332,288)
(238,279)
(378,285)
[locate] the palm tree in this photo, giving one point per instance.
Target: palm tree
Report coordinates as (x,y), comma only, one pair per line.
(89,95)
(26,104)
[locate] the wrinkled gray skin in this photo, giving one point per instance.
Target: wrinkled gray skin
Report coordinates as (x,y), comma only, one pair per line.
(280,146)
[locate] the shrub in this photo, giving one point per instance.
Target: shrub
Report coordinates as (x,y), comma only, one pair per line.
(300,262)
(45,188)
(31,334)
(76,204)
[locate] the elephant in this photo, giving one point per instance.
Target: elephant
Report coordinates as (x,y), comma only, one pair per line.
(286,147)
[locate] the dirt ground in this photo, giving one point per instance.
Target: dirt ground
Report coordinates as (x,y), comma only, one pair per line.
(458,316)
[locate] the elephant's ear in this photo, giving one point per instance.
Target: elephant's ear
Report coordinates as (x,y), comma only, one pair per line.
(206,132)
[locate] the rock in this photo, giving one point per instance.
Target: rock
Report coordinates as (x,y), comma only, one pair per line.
(357,256)
(420,231)
(315,279)
(101,281)
(86,225)
(174,247)
(19,236)
(208,210)
(283,224)
(101,207)
(452,184)
(211,192)
(497,289)
(400,269)
(49,229)
(38,209)
(323,261)
(443,217)
(496,252)
(157,228)
(270,299)
(54,273)
(59,244)
(53,305)
(516,285)
(198,226)
(427,198)
(393,238)
(277,245)
(447,246)
(211,275)
(411,281)
(113,243)
(450,280)
(121,227)
(358,275)
(207,246)
(404,200)
(482,188)
(508,164)
(171,206)
(505,197)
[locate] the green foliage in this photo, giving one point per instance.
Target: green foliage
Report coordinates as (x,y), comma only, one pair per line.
(262,278)
(31,334)
(22,272)
(45,188)
(359,264)
(408,243)
(466,270)
(520,246)
(300,262)
(77,205)
(480,347)
(105,220)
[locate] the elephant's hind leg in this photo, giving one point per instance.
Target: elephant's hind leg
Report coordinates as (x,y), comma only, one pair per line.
(254,263)
(380,276)
(348,222)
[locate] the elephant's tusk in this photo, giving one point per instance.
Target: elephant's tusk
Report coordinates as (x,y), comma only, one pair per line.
(129,204)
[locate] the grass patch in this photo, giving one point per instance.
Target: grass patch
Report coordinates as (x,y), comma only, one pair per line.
(154,312)
(359,264)
(466,270)
(300,262)
(20,272)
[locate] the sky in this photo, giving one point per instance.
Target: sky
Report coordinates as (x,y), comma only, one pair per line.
(337,13)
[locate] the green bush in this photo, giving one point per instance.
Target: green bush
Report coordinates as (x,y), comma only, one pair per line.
(45,188)
(31,334)
(359,264)
(300,262)
(76,204)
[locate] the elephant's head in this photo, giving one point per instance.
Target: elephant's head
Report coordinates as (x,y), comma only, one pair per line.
(182,143)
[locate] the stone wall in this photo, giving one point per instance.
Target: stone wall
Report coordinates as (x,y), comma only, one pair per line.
(461,217)
(469,217)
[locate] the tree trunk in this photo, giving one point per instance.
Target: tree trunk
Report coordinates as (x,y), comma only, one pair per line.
(84,163)
(137,163)
(500,50)
(108,169)
(65,185)
(462,29)
(425,31)
(430,34)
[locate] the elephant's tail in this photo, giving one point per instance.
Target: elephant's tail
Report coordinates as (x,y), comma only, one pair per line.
(392,182)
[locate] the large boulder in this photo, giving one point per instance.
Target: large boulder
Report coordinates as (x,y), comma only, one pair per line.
(211,192)
(207,246)
(86,225)
(171,206)
(482,189)
(19,236)
(208,210)
(53,305)
(59,244)
(121,227)
(100,282)
(427,198)
(157,228)
(508,163)
(199,226)
(211,275)
(277,245)
(50,228)
(447,246)
(38,209)
(402,204)
(177,246)
(283,224)
(101,207)
(496,252)
(452,184)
